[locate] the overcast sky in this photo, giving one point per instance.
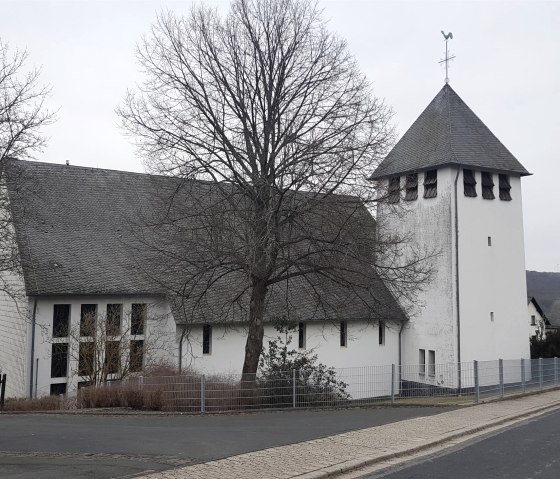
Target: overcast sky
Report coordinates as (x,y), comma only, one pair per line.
(507,70)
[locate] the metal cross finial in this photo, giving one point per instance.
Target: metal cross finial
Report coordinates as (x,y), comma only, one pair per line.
(447,58)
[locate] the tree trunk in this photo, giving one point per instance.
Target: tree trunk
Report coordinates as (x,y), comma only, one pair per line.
(254,345)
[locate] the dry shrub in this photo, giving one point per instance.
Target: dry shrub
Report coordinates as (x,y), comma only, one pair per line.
(46,403)
(93,397)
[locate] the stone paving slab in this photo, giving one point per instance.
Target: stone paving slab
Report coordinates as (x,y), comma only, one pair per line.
(332,455)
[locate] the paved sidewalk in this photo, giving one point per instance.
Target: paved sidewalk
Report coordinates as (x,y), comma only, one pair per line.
(332,455)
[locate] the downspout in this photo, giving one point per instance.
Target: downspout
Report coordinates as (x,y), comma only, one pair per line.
(457,280)
(32,359)
(400,352)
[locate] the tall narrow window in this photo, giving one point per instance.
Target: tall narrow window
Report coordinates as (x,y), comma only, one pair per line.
(431,363)
(394,195)
(138,318)
(136,356)
(61,320)
(343,334)
(430,184)
(505,187)
(487,185)
(206,339)
(88,318)
(301,336)
(86,358)
(533,320)
(112,357)
(59,360)
(113,319)
(381,332)
(469,183)
(422,362)
(411,187)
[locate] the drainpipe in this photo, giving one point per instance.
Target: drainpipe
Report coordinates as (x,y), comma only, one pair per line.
(32,359)
(400,352)
(457,279)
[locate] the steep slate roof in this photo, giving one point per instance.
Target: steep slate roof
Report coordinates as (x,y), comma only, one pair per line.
(448,132)
(74,228)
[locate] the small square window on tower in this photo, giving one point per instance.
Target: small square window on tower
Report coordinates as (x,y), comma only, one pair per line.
(430,184)
(469,183)
(411,187)
(505,188)
(394,193)
(487,185)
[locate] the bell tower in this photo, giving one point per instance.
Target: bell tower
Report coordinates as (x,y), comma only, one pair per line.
(454,190)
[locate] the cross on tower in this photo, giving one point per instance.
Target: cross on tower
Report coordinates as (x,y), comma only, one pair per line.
(447,58)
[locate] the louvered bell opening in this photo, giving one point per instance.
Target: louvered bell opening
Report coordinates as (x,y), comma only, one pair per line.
(430,184)
(411,187)
(394,195)
(469,183)
(505,188)
(487,185)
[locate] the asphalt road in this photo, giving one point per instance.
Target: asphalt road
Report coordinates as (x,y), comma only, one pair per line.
(48,446)
(530,449)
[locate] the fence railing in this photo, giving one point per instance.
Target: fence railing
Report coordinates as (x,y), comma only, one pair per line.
(430,384)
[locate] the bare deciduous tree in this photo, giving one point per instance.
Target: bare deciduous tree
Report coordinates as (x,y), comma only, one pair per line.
(271,110)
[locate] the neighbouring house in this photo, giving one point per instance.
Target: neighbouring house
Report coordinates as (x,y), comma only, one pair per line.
(539,325)
(105,246)
(545,286)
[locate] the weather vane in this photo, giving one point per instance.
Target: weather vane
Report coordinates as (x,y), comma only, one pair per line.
(447,58)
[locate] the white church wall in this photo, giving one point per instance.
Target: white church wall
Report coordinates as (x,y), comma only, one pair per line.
(159,331)
(427,222)
(14,331)
(493,291)
(355,361)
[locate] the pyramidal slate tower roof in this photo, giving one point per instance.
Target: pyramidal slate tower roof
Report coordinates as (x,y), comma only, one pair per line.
(448,132)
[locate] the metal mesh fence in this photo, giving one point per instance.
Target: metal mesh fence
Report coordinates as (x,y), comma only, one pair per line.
(423,383)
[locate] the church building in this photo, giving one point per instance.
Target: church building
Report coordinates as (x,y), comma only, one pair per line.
(452,188)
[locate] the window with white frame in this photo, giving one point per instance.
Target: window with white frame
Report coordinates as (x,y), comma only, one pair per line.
(207,339)
(301,335)
(343,334)
(431,363)
(422,362)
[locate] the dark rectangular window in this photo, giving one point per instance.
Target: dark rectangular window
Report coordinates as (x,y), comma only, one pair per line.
(206,339)
(58,389)
(113,320)
(343,333)
(505,187)
(59,360)
(431,363)
(136,356)
(430,184)
(411,187)
(487,185)
(394,195)
(469,183)
(381,332)
(301,336)
(61,320)
(86,358)
(88,318)
(138,319)
(112,357)
(422,362)
(533,320)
